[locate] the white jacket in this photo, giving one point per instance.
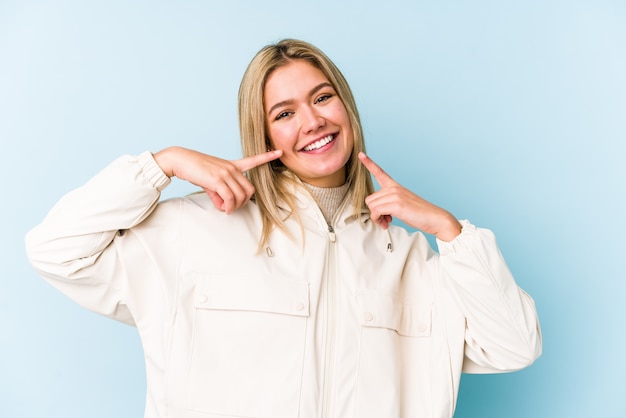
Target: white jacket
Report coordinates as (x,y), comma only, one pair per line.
(356,322)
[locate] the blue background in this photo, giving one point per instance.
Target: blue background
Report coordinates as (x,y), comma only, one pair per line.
(510,114)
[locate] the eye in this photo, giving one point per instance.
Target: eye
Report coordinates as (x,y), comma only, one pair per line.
(283,115)
(323,98)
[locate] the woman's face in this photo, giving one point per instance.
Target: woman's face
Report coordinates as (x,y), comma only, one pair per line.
(309,123)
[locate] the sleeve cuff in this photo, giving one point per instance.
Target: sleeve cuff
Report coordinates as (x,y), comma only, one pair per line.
(449,247)
(152,171)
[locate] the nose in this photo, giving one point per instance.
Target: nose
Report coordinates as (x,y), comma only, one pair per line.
(311,120)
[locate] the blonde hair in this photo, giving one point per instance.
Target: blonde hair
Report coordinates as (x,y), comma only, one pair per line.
(254,139)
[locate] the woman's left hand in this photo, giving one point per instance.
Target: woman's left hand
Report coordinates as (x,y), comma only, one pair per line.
(394,200)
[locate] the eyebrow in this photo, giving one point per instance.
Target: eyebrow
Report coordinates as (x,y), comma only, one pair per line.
(290,101)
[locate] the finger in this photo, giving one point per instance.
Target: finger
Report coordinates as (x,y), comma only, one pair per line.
(378,210)
(218,202)
(379,174)
(247,163)
(234,195)
(228,197)
(383,220)
(231,194)
(386,196)
(242,190)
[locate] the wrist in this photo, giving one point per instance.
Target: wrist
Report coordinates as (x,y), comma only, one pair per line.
(449,230)
(165,160)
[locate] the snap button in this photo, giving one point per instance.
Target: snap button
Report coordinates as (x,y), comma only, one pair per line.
(368,316)
(421,327)
(299,306)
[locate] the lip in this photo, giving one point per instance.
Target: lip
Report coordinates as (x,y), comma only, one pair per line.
(321,137)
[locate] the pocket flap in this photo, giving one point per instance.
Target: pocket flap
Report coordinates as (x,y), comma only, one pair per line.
(382,310)
(252,293)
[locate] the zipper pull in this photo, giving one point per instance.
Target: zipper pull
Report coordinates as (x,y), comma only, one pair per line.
(331,234)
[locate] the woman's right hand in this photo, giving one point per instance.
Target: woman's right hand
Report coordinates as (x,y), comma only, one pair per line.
(222,180)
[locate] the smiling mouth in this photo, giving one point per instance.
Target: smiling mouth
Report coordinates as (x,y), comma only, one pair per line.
(320,143)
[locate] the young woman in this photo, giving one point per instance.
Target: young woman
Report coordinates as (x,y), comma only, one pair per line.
(284,290)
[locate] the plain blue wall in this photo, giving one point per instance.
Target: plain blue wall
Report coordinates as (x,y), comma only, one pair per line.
(511,114)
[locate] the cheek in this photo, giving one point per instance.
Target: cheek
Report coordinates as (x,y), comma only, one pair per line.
(280,137)
(341,117)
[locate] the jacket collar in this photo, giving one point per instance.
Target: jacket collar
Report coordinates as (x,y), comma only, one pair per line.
(308,206)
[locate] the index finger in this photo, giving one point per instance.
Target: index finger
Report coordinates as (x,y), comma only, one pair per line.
(247,163)
(379,174)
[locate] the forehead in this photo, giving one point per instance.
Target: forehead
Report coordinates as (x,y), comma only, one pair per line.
(292,79)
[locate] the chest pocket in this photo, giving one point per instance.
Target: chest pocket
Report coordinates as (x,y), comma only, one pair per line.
(381,310)
(247,346)
(395,354)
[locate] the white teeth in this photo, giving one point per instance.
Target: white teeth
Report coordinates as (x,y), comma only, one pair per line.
(318,144)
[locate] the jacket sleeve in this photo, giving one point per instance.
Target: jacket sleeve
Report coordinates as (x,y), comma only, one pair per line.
(502,330)
(72,247)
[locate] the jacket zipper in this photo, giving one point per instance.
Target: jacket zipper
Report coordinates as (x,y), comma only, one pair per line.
(331,313)
(331,234)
